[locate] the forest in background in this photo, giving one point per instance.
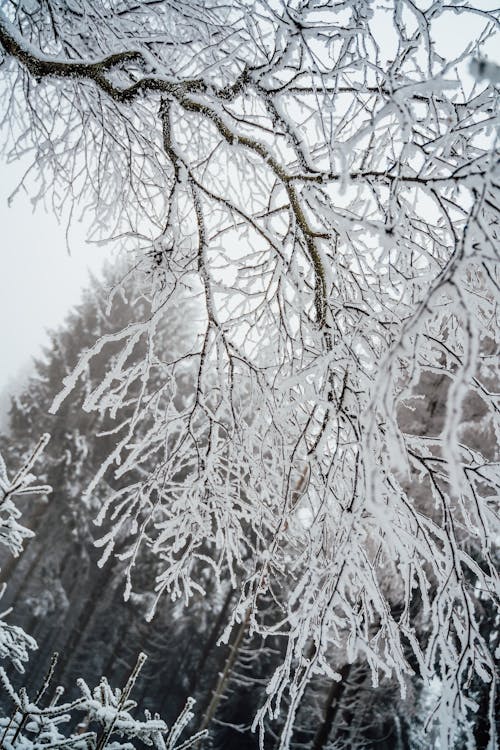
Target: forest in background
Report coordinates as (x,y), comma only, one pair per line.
(72,606)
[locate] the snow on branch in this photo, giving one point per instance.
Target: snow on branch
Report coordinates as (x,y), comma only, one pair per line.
(14,642)
(106,710)
(321,198)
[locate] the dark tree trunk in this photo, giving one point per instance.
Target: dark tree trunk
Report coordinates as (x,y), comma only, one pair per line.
(333,699)
(210,643)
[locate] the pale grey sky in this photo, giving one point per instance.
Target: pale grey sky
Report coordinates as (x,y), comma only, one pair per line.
(39,280)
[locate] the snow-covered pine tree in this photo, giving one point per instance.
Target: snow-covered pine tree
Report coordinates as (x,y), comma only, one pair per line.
(41,721)
(60,594)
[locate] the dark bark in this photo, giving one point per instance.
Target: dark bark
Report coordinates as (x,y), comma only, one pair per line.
(210,643)
(225,675)
(332,702)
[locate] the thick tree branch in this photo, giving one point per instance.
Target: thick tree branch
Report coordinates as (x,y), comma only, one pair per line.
(43,66)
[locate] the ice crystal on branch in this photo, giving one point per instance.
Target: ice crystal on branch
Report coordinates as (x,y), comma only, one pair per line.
(14,642)
(108,710)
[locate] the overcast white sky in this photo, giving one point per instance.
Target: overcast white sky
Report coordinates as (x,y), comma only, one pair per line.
(39,280)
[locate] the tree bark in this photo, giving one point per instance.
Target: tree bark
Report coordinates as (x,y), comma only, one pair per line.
(331,707)
(210,642)
(225,674)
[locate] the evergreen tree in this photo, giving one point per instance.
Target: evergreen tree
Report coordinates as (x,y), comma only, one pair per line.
(61,596)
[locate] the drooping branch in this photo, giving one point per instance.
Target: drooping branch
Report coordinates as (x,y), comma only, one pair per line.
(333,215)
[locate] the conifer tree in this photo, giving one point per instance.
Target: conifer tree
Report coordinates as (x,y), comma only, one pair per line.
(323,180)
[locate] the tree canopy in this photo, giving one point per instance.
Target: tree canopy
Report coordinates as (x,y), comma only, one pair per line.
(322,179)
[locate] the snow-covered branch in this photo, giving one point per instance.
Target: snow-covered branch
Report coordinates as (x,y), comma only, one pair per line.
(322,182)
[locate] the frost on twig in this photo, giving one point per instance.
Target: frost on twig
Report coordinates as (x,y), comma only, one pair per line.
(14,642)
(107,723)
(12,534)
